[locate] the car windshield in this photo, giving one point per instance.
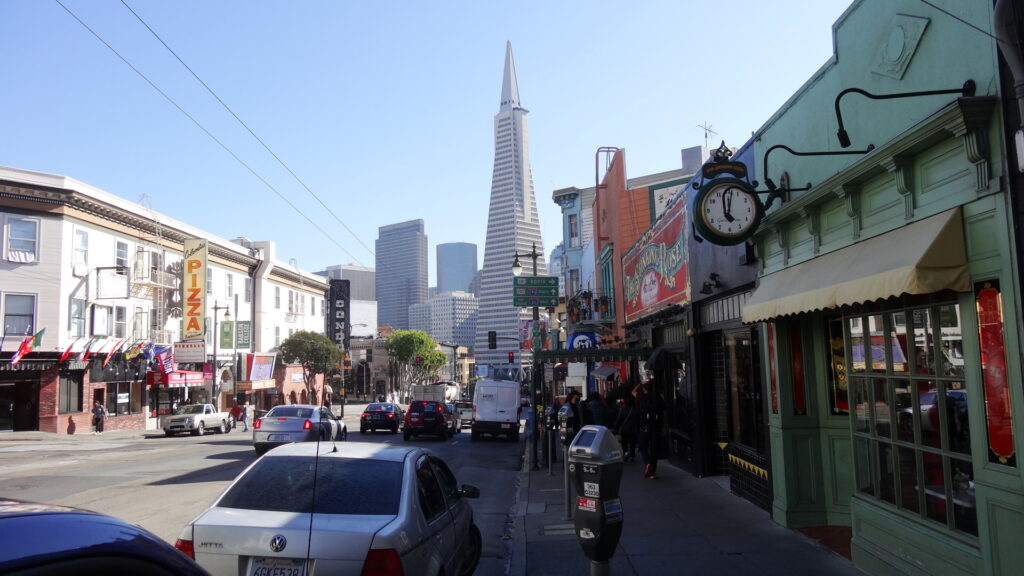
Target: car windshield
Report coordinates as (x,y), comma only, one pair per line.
(290,412)
(191,409)
(343,486)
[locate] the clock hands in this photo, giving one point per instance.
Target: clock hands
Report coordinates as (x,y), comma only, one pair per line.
(727,205)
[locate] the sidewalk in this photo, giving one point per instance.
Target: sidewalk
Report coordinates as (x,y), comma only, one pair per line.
(676,524)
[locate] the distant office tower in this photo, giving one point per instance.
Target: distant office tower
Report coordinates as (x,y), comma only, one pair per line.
(456,266)
(361,279)
(448,317)
(512,225)
(401,272)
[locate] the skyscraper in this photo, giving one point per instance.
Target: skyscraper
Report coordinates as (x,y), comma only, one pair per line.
(512,225)
(401,272)
(456,266)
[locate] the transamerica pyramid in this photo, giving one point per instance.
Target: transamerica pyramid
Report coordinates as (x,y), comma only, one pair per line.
(512,227)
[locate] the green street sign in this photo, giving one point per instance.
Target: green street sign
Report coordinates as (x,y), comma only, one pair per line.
(536,281)
(539,291)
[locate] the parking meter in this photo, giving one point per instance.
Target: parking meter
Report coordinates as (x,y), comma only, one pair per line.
(565,428)
(595,466)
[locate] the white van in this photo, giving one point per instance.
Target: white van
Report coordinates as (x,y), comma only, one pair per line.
(496,408)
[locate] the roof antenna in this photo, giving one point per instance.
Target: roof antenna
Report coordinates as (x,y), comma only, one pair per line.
(707,131)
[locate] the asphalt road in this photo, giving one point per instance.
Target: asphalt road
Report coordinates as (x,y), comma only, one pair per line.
(161,483)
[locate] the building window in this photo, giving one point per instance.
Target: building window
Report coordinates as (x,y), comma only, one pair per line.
(323,307)
(22,240)
(277,297)
(101,320)
(121,257)
(71,391)
(140,324)
(248,289)
(81,256)
(19,314)
(911,433)
(574,230)
(291,302)
(209,280)
(120,321)
(277,336)
(229,287)
(77,314)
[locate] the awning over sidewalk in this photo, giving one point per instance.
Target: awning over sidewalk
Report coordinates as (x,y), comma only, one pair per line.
(603,372)
(920,258)
(591,355)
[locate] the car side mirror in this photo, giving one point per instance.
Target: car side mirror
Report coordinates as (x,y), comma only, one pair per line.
(470,491)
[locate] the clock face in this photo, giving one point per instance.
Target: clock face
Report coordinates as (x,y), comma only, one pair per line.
(728,212)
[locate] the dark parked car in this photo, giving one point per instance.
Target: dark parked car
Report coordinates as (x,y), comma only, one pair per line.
(428,417)
(43,539)
(381,415)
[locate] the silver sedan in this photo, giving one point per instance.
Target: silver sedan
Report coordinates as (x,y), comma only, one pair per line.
(345,509)
(296,423)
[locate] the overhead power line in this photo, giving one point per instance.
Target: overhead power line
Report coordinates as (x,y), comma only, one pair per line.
(203,128)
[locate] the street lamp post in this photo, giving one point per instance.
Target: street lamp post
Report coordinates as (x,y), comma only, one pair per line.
(215,389)
(517,269)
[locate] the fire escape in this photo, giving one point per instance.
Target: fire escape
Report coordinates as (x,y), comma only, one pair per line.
(153,282)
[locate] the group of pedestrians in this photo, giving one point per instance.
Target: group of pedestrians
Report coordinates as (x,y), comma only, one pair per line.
(240,413)
(641,422)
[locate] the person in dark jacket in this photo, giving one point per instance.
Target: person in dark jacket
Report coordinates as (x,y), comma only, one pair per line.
(598,411)
(653,425)
(626,426)
(576,418)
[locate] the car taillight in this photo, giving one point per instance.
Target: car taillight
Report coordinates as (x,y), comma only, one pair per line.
(365,416)
(186,548)
(257,424)
(389,415)
(307,425)
(382,563)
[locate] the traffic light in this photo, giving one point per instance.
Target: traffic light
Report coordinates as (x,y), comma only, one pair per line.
(511,357)
(492,340)
(418,361)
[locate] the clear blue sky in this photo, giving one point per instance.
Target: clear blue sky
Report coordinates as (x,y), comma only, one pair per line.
(384,109)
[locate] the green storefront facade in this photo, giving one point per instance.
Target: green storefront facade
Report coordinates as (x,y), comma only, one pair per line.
(888,296)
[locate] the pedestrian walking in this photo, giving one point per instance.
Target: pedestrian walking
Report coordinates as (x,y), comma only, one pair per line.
(598,411)
(653,426)
(236,414)
(246,414)
(627,426)
(575,420)
(99,415)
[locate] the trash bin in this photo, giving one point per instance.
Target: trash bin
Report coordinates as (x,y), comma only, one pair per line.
(595,466)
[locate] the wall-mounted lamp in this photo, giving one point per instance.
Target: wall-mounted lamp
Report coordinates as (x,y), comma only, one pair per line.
(776,192)
(968,89)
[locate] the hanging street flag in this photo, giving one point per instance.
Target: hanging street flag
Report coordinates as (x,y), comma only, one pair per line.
(117,346)
(165,358)
(147,351)
(73,348)
(90,345)
(134,349)
(27,345)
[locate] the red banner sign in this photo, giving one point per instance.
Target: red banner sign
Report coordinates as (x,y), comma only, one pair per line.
(655,270)
(178,379)
(999,421)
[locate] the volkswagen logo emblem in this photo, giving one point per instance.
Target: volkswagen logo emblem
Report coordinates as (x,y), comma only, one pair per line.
(278,542)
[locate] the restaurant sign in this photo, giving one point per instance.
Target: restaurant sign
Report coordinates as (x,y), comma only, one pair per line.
(655,268)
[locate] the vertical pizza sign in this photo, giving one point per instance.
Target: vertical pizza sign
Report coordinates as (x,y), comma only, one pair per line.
(193,289)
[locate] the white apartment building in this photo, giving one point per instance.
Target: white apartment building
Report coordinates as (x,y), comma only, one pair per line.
(101,278)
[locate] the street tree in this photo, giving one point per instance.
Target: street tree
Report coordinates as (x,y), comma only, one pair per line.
(314,352)
(414,358)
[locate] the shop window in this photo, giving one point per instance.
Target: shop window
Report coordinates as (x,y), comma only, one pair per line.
(838,384)
(70,392)
(123,398)
(911,431)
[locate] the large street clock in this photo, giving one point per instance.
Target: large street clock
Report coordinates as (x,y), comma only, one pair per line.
(727,211)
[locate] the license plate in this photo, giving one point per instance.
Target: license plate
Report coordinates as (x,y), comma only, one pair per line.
(504,426)
(277,567)
(277,438)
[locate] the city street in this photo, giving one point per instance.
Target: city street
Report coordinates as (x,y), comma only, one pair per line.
(161,483)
